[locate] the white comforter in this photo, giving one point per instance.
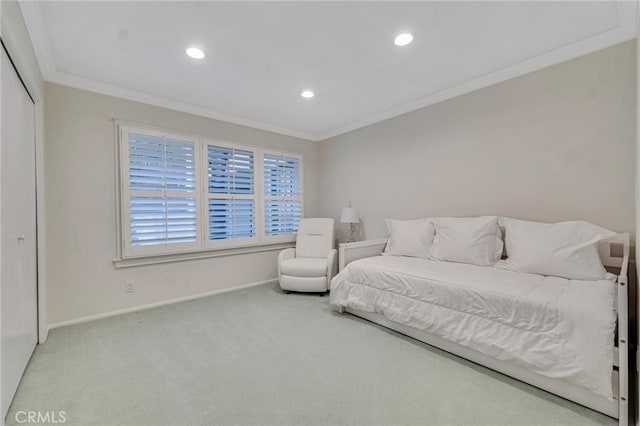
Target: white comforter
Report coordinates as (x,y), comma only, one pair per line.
(552,326)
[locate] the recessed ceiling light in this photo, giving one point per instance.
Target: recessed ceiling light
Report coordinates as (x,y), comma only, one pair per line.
(307,94)
(403,39)
(195,53)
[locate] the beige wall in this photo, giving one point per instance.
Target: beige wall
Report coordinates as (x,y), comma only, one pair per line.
(80,159)
(557,144)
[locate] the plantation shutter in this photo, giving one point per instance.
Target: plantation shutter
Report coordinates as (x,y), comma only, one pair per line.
(183,194)
(162,194)
(231,195)
(283,194)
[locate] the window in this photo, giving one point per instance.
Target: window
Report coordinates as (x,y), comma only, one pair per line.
(181,194)
(282,194)
(231,205)
(161,193)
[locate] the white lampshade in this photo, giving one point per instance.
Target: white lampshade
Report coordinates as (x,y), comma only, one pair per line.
(349,215)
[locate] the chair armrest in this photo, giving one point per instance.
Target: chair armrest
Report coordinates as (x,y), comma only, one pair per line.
(285,254)
(332,266)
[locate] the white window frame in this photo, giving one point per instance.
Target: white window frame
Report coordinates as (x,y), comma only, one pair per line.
(280,238)
(257,185)
(203,247)
(129,250)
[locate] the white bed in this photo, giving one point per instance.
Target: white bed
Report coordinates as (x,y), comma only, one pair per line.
(554,333)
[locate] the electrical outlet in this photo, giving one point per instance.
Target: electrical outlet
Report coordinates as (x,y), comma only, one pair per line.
(128,287)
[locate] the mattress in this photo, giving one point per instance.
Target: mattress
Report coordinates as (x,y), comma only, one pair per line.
(559,328)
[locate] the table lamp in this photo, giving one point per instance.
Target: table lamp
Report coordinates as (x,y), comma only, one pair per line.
(350,216)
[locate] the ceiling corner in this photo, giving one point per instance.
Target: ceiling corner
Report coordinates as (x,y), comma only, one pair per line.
(628,28)
(36,28)
(34,22)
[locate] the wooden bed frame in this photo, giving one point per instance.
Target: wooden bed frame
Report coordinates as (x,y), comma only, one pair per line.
(614,253)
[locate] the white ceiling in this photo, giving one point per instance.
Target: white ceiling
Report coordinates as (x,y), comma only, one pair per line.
(261,55)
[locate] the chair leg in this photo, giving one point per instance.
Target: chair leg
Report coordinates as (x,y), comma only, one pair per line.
(286,291)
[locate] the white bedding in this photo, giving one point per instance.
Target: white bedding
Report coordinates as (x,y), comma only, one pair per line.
(559,328)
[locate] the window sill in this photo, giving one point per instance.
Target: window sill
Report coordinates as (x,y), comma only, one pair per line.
(180,257)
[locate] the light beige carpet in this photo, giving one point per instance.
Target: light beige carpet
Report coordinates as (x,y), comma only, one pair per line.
(260,357)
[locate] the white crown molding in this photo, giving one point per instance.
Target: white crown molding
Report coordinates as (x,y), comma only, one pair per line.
(39,39)
(627,29)
(34,22)
(78,82)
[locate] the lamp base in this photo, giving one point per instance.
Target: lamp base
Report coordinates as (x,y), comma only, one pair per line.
(352,233)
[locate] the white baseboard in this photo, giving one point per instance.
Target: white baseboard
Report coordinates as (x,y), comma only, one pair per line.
(156,304)
(43,334)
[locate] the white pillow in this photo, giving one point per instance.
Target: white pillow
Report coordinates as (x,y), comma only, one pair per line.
(475,240)
(409,238)
(566,249)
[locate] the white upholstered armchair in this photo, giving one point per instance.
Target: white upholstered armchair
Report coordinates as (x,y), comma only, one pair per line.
(310,266)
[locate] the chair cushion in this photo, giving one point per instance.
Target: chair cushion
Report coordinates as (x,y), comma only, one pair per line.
(304,267)
(315,237)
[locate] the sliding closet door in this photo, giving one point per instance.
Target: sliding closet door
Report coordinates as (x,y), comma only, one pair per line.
(17,230)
